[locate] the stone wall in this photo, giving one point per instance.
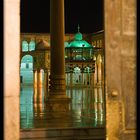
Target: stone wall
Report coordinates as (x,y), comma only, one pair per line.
(120,58)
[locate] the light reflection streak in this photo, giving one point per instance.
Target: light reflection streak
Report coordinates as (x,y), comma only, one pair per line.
(35,79)
(86,108)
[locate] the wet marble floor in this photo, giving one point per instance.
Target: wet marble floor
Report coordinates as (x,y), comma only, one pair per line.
(86,109)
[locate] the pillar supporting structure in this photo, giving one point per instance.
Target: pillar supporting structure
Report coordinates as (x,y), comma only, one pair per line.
(38,78)
(34,78)
(45,84)
(57,99)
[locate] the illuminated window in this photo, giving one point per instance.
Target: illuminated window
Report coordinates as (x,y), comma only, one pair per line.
(24,46)
(31,46)
(26,69)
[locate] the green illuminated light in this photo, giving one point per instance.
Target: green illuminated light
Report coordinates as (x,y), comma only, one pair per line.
(78,42)
(24,46)
(32,46)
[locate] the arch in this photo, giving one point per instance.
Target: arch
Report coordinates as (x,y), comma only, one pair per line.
(77,75)
(25,46)
(26,59)
(87,75)
(26,69)
(87,69)
(32,45)
(77,70)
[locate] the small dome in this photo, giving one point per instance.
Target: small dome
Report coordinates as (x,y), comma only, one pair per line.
(78,36)
(78,41)
(42,45)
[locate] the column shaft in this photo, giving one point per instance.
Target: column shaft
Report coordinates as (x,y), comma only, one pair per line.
(34,78)
(38,78)
(58,85)
(57,99)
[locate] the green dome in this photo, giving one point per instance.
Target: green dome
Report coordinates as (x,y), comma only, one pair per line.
(78,36)
(79,44)
(78,41)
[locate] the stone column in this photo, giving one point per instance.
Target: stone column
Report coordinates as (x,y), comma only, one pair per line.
(95,73)
(11,67)
(57,48)
(34,78)
(99,73)
(45,84)
(95,103)
(45,78)
(58,85)
(41,77)
(102,70)
(38,78)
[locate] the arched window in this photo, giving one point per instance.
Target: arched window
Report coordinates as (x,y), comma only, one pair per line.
(24,46)
(87,69)
(27,62)
(31,46)
(26,69)
(77,75)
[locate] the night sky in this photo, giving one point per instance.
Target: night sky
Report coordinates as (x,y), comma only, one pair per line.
(35,16)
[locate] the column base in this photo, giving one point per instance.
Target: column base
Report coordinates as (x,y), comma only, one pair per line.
(58,102)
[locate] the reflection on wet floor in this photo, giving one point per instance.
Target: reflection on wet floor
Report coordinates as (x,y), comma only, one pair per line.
(86,109)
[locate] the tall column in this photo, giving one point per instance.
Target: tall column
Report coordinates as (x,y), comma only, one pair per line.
(34,78)
(41,77)
(57,95)
(57,48)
